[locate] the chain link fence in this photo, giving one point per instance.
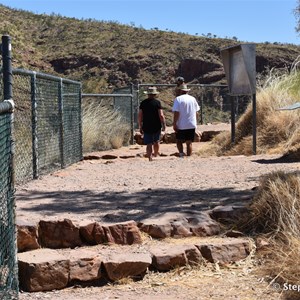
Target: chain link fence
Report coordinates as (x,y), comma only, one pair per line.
(109,119)
(8,261)
(47,136)
(215,103)
(47,123)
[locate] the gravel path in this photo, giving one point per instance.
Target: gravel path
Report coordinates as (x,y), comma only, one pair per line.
(133,189)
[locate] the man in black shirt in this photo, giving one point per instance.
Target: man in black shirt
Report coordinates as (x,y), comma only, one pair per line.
(151,122)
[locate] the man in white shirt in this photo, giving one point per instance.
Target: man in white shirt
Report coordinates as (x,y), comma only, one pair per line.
(185,110)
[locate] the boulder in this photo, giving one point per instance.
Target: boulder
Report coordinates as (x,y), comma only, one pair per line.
(85,265)
(43,270)
(180,225)
(27,236)
(125,233)
(59,234)
(225,251)
(228,213)
(207,136)
(126,264)
(167,257)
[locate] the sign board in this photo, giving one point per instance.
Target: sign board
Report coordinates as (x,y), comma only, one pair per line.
(291,107)
(240,69)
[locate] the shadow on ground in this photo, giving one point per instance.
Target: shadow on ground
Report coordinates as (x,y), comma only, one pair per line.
(280,160)
(124,206)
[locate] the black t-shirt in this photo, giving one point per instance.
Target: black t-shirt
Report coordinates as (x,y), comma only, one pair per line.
(151,119)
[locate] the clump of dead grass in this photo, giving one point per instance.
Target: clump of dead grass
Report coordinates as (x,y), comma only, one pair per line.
(275,216)
(277,130)
(103,128)
(281,267)
(275,209)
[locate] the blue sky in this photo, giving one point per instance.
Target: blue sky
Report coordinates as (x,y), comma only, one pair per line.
(252,21)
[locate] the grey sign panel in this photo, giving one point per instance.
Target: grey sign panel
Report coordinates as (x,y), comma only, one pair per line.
(240,68)
(291,107)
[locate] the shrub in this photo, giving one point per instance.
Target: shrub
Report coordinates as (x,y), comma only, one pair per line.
(103,128)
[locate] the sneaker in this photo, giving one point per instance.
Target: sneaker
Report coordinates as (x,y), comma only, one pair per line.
(181,155)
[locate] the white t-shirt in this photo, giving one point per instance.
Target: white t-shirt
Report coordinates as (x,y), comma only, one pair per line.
(187,106)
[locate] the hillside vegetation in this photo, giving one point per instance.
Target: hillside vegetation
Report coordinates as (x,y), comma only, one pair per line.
(105,55)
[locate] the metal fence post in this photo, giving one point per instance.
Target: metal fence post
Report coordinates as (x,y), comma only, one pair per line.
(254,122)
(7,67)
(232,118)
(8,95)
(61,123)
(80,122)
(201,109)
(132,115)
(35,168)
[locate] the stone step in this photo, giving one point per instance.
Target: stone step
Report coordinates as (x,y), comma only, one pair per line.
(54,254)
(66,233)
(47,269)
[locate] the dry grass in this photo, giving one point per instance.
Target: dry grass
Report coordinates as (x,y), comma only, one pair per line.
(280,265)
(103,128)
(277,130)
(275,210)
(275,215)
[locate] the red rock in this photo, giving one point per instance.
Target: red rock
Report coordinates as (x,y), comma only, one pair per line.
(59,234)
(225,251)
(43,270)
(126,264)
(27,236)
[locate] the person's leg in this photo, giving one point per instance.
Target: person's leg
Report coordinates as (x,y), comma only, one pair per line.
(156,140)
(180,147)
(189,148)
(149,151)
(180,141)
(190,135)
(148,142)
(156,149)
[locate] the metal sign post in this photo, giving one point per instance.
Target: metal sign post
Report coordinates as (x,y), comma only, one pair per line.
(240,69)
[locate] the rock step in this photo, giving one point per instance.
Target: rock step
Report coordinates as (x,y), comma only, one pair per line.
(55,234)
(51,269)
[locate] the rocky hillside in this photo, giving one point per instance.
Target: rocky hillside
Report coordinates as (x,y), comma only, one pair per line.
(105,55)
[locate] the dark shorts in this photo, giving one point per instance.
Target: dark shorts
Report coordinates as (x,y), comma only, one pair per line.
(185,134)
(151,138)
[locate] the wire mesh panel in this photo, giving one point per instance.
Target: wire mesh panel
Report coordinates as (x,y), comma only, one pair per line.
(125,105)
(104,125)
(22,127)
(8,263)
(47,123)
(72,137)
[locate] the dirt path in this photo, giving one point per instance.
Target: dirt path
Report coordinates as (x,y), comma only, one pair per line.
(133,188)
